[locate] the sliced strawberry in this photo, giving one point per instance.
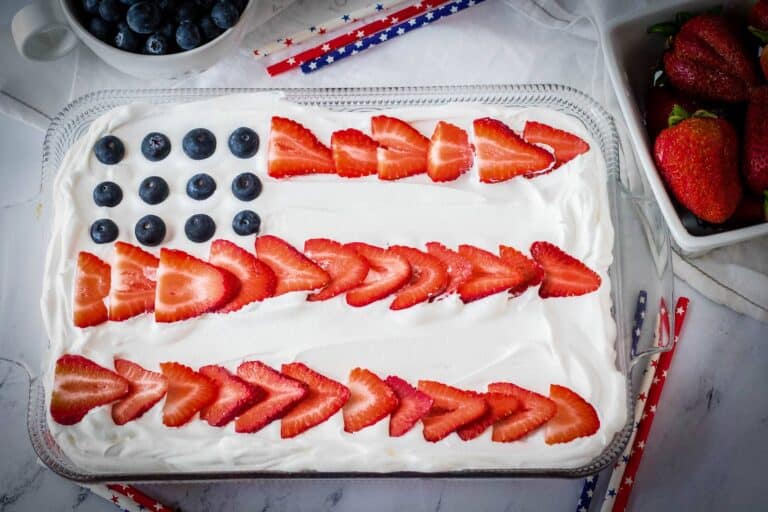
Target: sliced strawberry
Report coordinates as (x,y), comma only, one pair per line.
(574,418)
(323,399)
(394,164)
(499,407)
(490,274)
(450,154)
(393,133)
(188,287)
(188,392)
(79,385)
(452,408)
(294,271)
(280,394)
(458,267)
(412,406)
(346,268)
(370,400)
(91,287)
(535,411)
(234,396)
(566,146)
(146,389)
(354,153)
(387,273)
(502,154)
(428,278)
(532,274)
(294,150)
(564,275)
(257,281)
(134,276)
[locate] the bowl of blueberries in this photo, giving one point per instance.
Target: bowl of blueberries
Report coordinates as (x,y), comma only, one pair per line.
(144,38)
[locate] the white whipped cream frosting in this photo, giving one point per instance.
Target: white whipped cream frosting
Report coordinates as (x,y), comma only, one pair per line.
(527,340)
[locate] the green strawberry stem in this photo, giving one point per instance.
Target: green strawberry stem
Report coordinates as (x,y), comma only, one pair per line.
(762,35)
(665,28)
(672,27)
(679,114)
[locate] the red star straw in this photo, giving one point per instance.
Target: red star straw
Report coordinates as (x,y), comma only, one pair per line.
(644,428)
(127,497)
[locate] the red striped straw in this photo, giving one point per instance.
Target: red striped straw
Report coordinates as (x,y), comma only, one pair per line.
(350,37)
(127,497)
(654,394)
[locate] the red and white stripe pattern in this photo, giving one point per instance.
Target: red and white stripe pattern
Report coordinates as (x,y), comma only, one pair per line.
(128,497)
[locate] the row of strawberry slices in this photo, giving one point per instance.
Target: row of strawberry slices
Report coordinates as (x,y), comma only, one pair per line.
(256,395)
(178,286)
(395,150)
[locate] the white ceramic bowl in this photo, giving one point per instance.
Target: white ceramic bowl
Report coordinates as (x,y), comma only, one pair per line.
(630,56)
(46,30)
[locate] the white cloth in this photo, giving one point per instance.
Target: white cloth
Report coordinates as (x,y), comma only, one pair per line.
(499,41)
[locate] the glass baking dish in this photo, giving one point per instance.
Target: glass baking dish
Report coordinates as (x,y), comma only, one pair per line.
(642,257)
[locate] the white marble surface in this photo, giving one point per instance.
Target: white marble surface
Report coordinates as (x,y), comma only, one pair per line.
(706,450)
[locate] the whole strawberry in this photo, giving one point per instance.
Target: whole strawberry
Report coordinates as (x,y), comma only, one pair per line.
(762,35)
(758,15)
(755,165)
(659,102)
(698,159)
(708,60)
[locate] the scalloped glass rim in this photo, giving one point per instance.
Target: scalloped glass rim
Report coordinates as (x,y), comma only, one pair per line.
(75,118)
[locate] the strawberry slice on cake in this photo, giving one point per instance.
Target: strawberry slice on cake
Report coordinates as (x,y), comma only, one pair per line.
(344,265)
(92,282)
(294,150)
(294,271)
(535,410)
(146,389)
(500,406)
(234,396)
(257,281)
(354,153)
(280,393)
(412,406)
(450,153)
(452,408)
(188,393)
(490,274)
(532,274)
(428,278)
(324,398)
(403,150)
(370,400)
(134,275)
(458,267)
(80,385)
(387,273)
(188,286)
(564,275)
(565,145)
(501,154)
(574,418)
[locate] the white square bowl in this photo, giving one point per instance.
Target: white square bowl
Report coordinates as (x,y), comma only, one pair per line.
(630,56)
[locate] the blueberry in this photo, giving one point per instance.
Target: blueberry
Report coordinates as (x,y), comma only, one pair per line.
(150,230)
(168,31)
(200,228)
(101,29)
(156,44)
(128,2)
(91,7)
(210,30)
(187,11)
(153,190)
(205,5)
(104,231)
(143,17)
(224,14)
(155,146)
(168,7)
(128,40)
(201,186)
(244,143)
(111,10)
(188,35)
(107,193)
(246,186)
(246,223)
(109,150)
(199,144)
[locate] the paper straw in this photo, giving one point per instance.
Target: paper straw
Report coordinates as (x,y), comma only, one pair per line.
(588,489)
(392,32)
(654,394)
(350,37)
(324,27)
(127,497)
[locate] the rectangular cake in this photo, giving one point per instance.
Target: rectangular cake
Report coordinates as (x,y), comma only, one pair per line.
(442,350)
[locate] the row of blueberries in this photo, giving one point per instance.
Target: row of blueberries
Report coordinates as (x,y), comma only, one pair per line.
(197,144)
(150,229)
(154,189)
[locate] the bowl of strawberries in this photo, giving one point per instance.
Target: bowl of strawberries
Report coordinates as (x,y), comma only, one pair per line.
(692,83)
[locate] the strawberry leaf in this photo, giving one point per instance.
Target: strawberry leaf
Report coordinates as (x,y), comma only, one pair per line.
(677,115)
(762,35)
